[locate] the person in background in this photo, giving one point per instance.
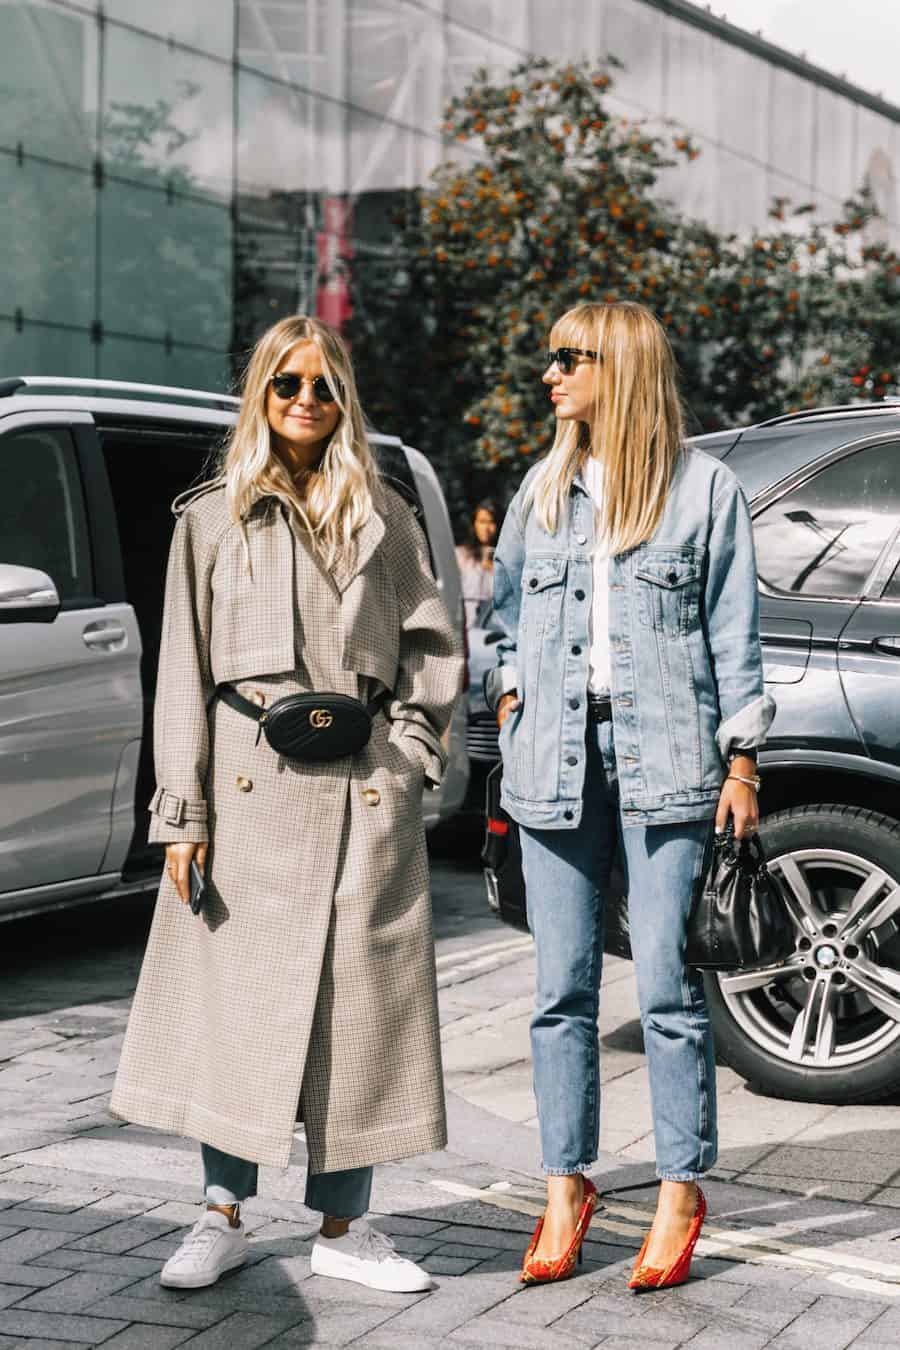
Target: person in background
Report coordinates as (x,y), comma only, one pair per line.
(476,561)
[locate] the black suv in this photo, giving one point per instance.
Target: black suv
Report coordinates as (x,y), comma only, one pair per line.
(824,489)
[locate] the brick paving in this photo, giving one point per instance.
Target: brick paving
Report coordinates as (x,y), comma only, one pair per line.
(802,1248)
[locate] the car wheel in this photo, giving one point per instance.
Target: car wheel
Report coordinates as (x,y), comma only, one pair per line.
(824,1025)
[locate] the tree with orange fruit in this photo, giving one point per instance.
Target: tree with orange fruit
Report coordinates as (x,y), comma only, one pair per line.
(546,197)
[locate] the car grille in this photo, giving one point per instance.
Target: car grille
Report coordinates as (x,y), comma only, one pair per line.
(482,737)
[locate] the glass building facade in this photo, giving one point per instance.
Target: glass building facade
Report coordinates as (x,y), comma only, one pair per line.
(176,175)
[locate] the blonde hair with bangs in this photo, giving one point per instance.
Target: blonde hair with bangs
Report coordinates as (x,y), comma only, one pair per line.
(636,426)
(339,497)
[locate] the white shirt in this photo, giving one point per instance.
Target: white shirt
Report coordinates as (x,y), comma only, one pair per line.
(599,679)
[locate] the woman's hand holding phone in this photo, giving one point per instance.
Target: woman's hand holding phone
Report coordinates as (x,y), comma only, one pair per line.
(178,866)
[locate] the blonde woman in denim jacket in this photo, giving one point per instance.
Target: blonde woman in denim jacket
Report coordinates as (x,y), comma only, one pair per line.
(629,692)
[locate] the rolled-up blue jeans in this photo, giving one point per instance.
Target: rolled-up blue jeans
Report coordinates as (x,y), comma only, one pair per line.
(339,1195)
(567,877)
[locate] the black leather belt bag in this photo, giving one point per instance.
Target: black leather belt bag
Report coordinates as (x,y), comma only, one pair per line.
(309,726)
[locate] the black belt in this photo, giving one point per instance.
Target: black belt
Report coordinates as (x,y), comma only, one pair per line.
(599,709)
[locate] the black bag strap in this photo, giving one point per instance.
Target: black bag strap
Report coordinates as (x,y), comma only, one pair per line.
(228,694)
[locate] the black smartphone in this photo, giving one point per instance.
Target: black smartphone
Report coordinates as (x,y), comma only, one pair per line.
(198,888)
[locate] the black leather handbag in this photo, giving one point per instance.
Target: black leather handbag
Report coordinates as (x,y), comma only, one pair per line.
(309,726)
(739,919)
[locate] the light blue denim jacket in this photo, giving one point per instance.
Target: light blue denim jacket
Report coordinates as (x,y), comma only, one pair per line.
(687,679)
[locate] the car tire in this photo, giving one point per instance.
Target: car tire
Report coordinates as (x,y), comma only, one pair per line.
(849,1047)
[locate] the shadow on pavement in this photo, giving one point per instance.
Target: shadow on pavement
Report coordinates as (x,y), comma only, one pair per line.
(68,957)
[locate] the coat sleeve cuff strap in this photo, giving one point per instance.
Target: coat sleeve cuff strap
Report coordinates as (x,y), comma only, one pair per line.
(175,810)
(748,727)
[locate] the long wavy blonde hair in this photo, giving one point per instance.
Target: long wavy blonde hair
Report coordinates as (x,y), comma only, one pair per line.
(339,496)
(636,426)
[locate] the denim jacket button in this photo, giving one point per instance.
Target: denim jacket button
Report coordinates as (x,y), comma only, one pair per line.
(568,815)
(671,578)
(581,539)
(576,651)
(572,760)
(579,594)
(574,704)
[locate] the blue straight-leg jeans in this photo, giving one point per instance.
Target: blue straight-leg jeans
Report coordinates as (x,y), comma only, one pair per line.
(567,874)
(339,1195)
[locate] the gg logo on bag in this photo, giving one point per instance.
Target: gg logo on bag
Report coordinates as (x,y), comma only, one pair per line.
(320,717)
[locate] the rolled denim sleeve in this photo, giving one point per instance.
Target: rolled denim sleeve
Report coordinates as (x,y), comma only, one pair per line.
(509,559)
(732,622)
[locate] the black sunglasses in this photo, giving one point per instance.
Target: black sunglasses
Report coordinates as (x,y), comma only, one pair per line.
(564,357)
(288,385)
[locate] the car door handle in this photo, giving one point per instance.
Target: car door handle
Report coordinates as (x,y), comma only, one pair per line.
(111,636)
(889,645)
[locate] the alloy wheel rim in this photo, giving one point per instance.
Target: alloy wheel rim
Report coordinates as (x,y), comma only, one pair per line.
(835,1002)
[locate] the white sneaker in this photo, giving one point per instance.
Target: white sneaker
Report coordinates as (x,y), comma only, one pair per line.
(368,1257)
(210,1248)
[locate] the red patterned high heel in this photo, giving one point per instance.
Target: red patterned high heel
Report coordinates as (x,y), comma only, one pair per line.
(537,1270)
(652,1277)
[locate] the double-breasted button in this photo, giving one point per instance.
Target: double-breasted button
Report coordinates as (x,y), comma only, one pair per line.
(258,697)
(244,784)
(371,796)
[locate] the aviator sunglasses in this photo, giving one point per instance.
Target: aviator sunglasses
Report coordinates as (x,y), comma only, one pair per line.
(289,385)
(566,358)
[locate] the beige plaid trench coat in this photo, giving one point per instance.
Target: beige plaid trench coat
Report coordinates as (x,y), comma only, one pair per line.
(309,979)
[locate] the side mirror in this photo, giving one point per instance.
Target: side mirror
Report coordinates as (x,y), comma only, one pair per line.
(26,595)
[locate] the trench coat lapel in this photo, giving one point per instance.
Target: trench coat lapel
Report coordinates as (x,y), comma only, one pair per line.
(345,571)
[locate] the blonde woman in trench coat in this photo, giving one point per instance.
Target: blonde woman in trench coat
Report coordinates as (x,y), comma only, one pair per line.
(306,987)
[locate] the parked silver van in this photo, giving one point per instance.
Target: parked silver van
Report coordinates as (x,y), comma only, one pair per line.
(88,469)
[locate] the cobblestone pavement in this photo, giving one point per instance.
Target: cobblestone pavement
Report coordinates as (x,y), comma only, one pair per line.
(802,1247)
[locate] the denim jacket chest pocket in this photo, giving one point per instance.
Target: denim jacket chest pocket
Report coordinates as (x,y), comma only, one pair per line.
(543,595)
(667,585)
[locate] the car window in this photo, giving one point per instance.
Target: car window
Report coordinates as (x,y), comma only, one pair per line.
(42,515)
(892,590)
(824,537)
(148,468)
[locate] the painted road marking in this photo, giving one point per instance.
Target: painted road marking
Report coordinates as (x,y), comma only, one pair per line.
(497,954)
(505,944)
(748,1245)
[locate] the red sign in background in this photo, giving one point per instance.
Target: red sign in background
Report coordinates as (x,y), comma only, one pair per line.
(334,252)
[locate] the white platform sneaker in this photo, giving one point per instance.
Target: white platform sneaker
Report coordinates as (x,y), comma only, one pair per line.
(368,1257)
(210,1248)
